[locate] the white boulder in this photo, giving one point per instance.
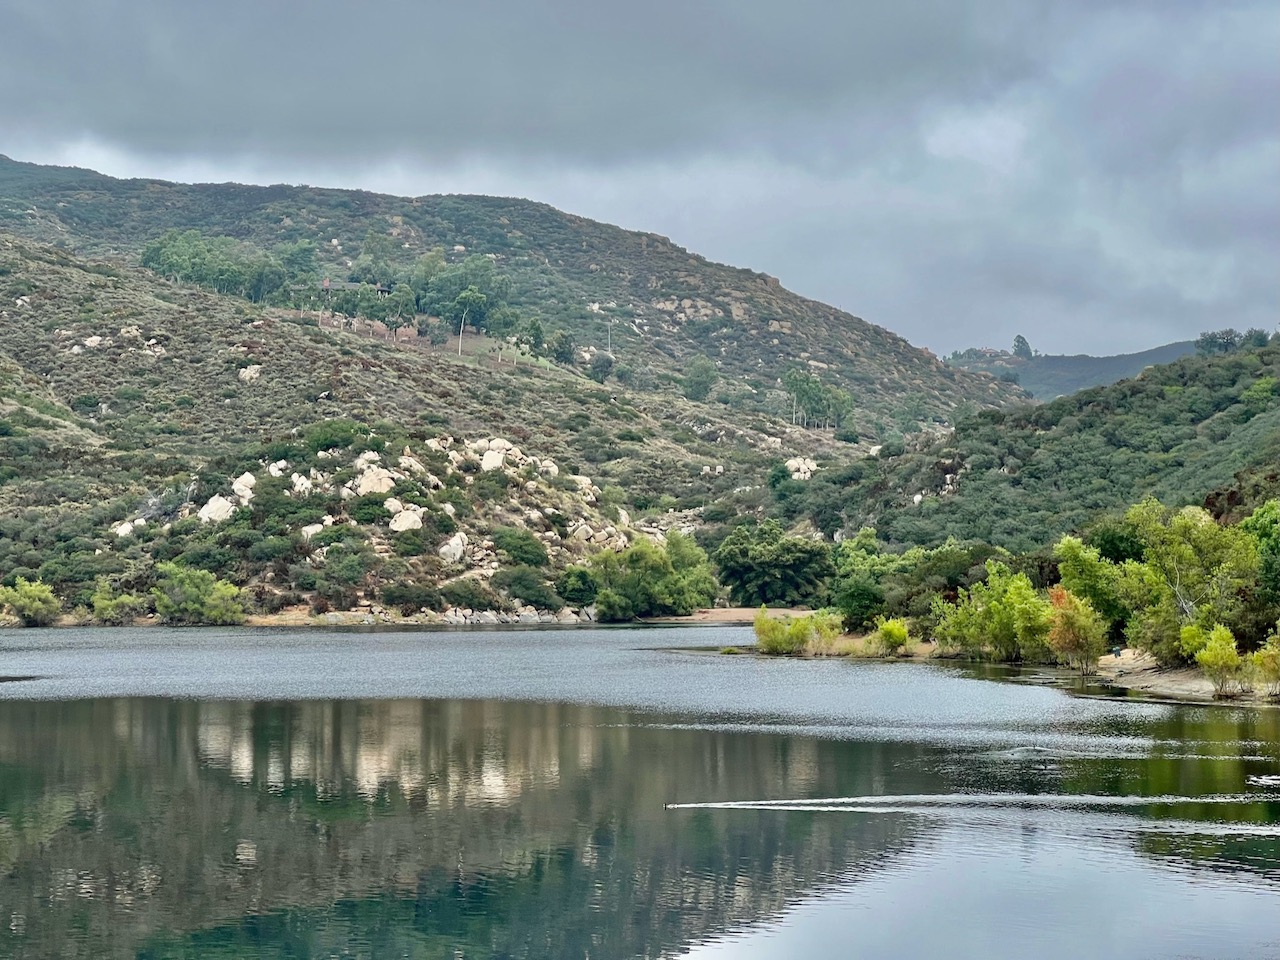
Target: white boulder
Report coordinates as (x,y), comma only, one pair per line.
(393,505)
(242,486)
(406,520)
(375,480)
(218,508)
(454,550)
(311,529)
(252,372)
(301,484)
(123,530)
(492,460)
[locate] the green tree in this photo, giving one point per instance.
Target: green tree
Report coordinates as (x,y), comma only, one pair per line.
(562,348)
(761,564)
(1205,565)
(1220,660)
(601,367)
(32,602)
(1021,348)
(699,377)
(1002,618)
(184,595)
(647,580)
(401,306)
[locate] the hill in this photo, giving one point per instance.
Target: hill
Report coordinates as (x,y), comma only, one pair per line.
(124,397)
(652,304)
(1019,478)
(1048,376)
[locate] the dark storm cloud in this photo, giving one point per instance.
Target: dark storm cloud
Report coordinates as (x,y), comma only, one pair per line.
(1094,175)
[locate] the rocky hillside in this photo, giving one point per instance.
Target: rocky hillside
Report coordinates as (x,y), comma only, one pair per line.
(142,422)
(655,304)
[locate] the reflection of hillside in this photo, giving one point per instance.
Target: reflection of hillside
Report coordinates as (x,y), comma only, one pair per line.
(521,829)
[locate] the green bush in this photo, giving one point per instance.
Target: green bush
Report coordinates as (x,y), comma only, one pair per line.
(526,584)
(116,608)
(1220,660)
(889,637)
(32,602)
(184,595)
(578,586)
(469,594)
(412,597)
(523,547)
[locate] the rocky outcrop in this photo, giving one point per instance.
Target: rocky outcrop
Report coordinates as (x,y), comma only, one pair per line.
(454,549)
(801,468)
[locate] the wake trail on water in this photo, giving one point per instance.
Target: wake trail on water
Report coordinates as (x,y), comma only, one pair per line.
(886,803)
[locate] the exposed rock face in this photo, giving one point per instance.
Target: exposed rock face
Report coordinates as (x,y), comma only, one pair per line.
(310,530)
(250,373)
(301,484)
(454,550)
(278,468)
(549,469)
(218,508)
(407,520)
(492,460)
(124,529)
(375,480)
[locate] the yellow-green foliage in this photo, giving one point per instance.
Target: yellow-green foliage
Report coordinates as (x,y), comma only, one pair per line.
(1077,632)
(31,602)
(1220,660)
(1265,663)
(809,634)
(189,596)
(1003,618)
(114,608)
(890,636)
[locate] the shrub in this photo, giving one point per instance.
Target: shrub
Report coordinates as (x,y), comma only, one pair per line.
(889,637)
(521,546)
(1265,662)
(1077,632)
(578,586)
(412,597)
(32,602)
(526,584)
(369,509)
(1220,660)
(115,609)
(786,636)
(469,594)
(185,595)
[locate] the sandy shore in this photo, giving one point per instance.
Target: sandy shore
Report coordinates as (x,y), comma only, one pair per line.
(1132,670)
(728,615)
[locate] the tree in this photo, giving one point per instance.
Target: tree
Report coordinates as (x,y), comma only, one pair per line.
(32,602)
(760,564)
(1002,618)
(647,580)
(601,366)
(184,595)
(401,306)
(562,348)
(467,302)
(700,376)
(1205,565)
(1220,660)
(1077,633)
(1021,348)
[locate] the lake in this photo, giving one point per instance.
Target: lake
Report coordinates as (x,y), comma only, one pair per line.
(593,793)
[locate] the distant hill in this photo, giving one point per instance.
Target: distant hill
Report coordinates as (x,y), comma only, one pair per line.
(653,303)
(1201,428)
(1047,376)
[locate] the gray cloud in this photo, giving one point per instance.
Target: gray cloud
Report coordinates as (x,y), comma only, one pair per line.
(1095,175)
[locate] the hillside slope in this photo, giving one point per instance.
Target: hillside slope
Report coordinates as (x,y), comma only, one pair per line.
(1020,478)
(1049,376)
(123,396)
(657,304)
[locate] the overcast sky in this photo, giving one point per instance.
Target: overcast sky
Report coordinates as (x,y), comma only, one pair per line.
(1098,176)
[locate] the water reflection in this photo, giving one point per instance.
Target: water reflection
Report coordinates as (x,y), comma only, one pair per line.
(160,828)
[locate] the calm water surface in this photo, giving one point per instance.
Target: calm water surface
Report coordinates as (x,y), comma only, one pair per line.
(602,794)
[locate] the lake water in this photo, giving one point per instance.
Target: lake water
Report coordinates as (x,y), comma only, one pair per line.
(605,794)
